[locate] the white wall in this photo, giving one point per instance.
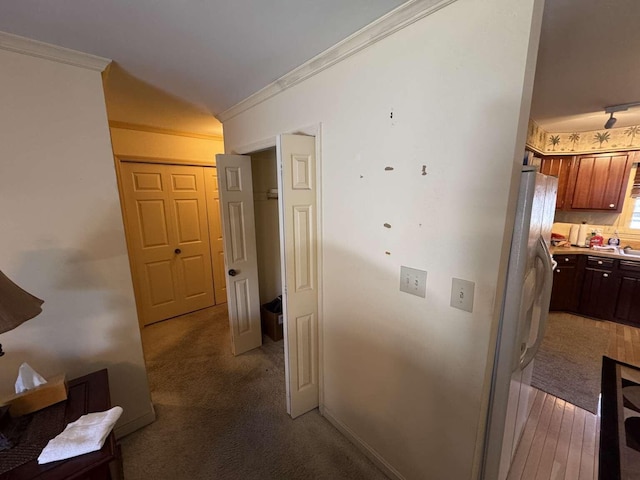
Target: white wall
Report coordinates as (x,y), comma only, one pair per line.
(263,172)
(407,375)
(62,233)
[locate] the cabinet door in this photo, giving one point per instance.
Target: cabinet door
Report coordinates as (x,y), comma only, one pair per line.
(628,305)
(628,302)
(566,281)
(599,182)
(559,167)
(599,293)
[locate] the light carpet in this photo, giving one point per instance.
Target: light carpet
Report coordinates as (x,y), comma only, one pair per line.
(224,417)
(569,362)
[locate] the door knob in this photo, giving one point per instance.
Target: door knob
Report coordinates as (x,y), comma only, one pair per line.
(612,205)
(232,273)
(177,250)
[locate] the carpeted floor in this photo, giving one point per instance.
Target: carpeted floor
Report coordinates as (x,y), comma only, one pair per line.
(569,362)
(224,417)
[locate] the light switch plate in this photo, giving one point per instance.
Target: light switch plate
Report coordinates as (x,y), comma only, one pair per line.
(462,294)
(413,281)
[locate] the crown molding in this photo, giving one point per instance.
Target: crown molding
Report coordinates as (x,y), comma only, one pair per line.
(399,18)
(163,131)
(35,48)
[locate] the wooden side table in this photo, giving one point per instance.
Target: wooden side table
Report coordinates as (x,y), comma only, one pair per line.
(87,394)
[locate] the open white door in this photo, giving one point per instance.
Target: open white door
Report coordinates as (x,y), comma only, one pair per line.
(298,222)
(241,260)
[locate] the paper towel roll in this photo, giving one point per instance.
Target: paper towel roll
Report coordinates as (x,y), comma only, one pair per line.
(573,234)
(582,235)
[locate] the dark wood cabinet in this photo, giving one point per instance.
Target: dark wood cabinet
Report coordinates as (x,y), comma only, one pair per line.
(590,182)
(559,167)
(600,287)
(565,293)
(627,308)
(598,295)
(598,182)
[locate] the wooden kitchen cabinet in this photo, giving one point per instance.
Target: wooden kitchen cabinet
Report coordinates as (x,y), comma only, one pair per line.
(566,281)
(627,307)
(559,167)
(607,288)
(599,289)
(598,182)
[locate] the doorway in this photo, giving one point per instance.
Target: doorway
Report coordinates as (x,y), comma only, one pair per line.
(296,172)
(267,225)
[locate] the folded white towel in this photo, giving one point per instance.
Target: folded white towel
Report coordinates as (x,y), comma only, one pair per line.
(87,434)
(605,248)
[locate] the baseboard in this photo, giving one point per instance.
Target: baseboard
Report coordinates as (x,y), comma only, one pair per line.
(136,424)
(365,448)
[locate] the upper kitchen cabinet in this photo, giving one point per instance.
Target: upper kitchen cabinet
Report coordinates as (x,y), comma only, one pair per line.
(560,167)
(598,182)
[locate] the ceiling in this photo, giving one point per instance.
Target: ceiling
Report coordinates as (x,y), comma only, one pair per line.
(589,58)
(211,54)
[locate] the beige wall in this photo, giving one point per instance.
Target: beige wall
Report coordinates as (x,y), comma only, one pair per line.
(129,143)
(263,170)
(407,375)
(62,234)
(133,101)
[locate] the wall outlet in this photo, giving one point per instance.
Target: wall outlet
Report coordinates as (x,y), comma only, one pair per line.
(413,281)
(462,294)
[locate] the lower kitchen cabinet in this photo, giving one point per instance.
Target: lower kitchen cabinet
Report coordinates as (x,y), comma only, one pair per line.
(627,307)
(597,287)
(565,294)
(598,295)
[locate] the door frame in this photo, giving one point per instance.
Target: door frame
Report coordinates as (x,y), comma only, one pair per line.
(119,160)
(270,142)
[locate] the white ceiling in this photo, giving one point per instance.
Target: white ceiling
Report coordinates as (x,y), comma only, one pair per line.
(211,53)
(214,53)
(589,58)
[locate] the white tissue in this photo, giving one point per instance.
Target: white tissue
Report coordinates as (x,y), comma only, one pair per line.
(28,378)
(85,435)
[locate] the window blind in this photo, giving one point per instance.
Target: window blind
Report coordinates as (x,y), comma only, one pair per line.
(635,190)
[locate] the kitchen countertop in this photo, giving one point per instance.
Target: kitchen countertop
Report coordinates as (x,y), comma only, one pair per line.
(555,251)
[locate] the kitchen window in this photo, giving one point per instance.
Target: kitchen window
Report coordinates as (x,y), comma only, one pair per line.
(635,214)
(628,223)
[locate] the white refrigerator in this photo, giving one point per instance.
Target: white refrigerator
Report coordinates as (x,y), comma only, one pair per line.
(525,308)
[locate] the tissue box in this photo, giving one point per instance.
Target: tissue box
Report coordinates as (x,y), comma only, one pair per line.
(54,391)
(271,323)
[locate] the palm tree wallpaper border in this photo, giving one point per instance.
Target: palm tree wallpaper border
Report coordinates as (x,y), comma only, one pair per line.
(596,141)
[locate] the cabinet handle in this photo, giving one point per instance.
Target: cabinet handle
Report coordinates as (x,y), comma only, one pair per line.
(611,205)
(599,262)
(605,275)
(558,271)
(566,259)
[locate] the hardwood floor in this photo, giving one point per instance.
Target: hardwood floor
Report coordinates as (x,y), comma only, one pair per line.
(560,441)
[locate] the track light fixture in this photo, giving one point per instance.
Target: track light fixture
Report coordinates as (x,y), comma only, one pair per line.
(611,122)
(617,108)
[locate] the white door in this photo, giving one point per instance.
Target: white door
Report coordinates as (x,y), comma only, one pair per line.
(241,260)
(297,183)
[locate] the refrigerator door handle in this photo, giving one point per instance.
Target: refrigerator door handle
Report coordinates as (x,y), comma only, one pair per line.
(542,252)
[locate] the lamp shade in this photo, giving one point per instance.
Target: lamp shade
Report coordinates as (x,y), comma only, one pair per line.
(16,305)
